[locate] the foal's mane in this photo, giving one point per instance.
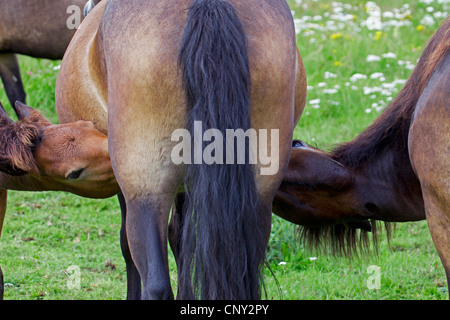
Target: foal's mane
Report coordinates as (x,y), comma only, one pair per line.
(392,126)
(17,143)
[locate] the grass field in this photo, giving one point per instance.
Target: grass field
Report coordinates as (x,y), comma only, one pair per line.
(355,65)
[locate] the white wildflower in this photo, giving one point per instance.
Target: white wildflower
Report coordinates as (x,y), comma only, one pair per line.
(357,76)
(370,90)
(427,20)
(334,103)
(329,75)
(376,75)
(440,15)
(372,57)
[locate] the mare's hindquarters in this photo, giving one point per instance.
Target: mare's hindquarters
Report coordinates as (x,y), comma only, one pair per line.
(147,103)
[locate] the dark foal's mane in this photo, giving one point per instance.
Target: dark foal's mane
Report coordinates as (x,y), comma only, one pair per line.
(392,126)
(389,131)
(17,142)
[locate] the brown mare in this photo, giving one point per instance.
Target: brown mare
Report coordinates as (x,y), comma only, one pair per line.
(397,170)
(36,28)
(142,69)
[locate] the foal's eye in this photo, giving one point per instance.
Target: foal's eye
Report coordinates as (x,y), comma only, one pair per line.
(298,144)
(74,174)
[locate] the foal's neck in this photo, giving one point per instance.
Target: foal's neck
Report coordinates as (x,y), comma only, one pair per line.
(388,186)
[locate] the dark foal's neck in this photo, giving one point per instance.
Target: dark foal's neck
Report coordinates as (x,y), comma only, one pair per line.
(387,186)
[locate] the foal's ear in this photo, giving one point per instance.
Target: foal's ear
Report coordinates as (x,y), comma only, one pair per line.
(25,112)
(316,170)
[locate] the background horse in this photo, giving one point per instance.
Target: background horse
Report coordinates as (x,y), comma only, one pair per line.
(142,69)
(36,28)
(397,170)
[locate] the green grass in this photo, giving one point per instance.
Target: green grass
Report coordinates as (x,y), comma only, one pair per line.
(47,233)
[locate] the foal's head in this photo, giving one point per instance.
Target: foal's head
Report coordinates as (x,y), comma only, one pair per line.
(72,157)
(316,189)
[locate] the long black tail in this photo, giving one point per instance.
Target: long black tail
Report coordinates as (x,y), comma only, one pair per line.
(222,244)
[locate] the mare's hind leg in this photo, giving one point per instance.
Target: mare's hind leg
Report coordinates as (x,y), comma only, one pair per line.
(147,238)
(437,204)
(3,199)
(175,225)
(148,180)
(10,74)
(133,278)
(175,229)
(432,167)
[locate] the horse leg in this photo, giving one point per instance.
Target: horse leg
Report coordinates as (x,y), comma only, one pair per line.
(3,203)
(147,237)
(148,187)
(175,230)
(3,198)
(438,219)
(148,179)
(175,225)
(436,195)
(10,74)
(133,278)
